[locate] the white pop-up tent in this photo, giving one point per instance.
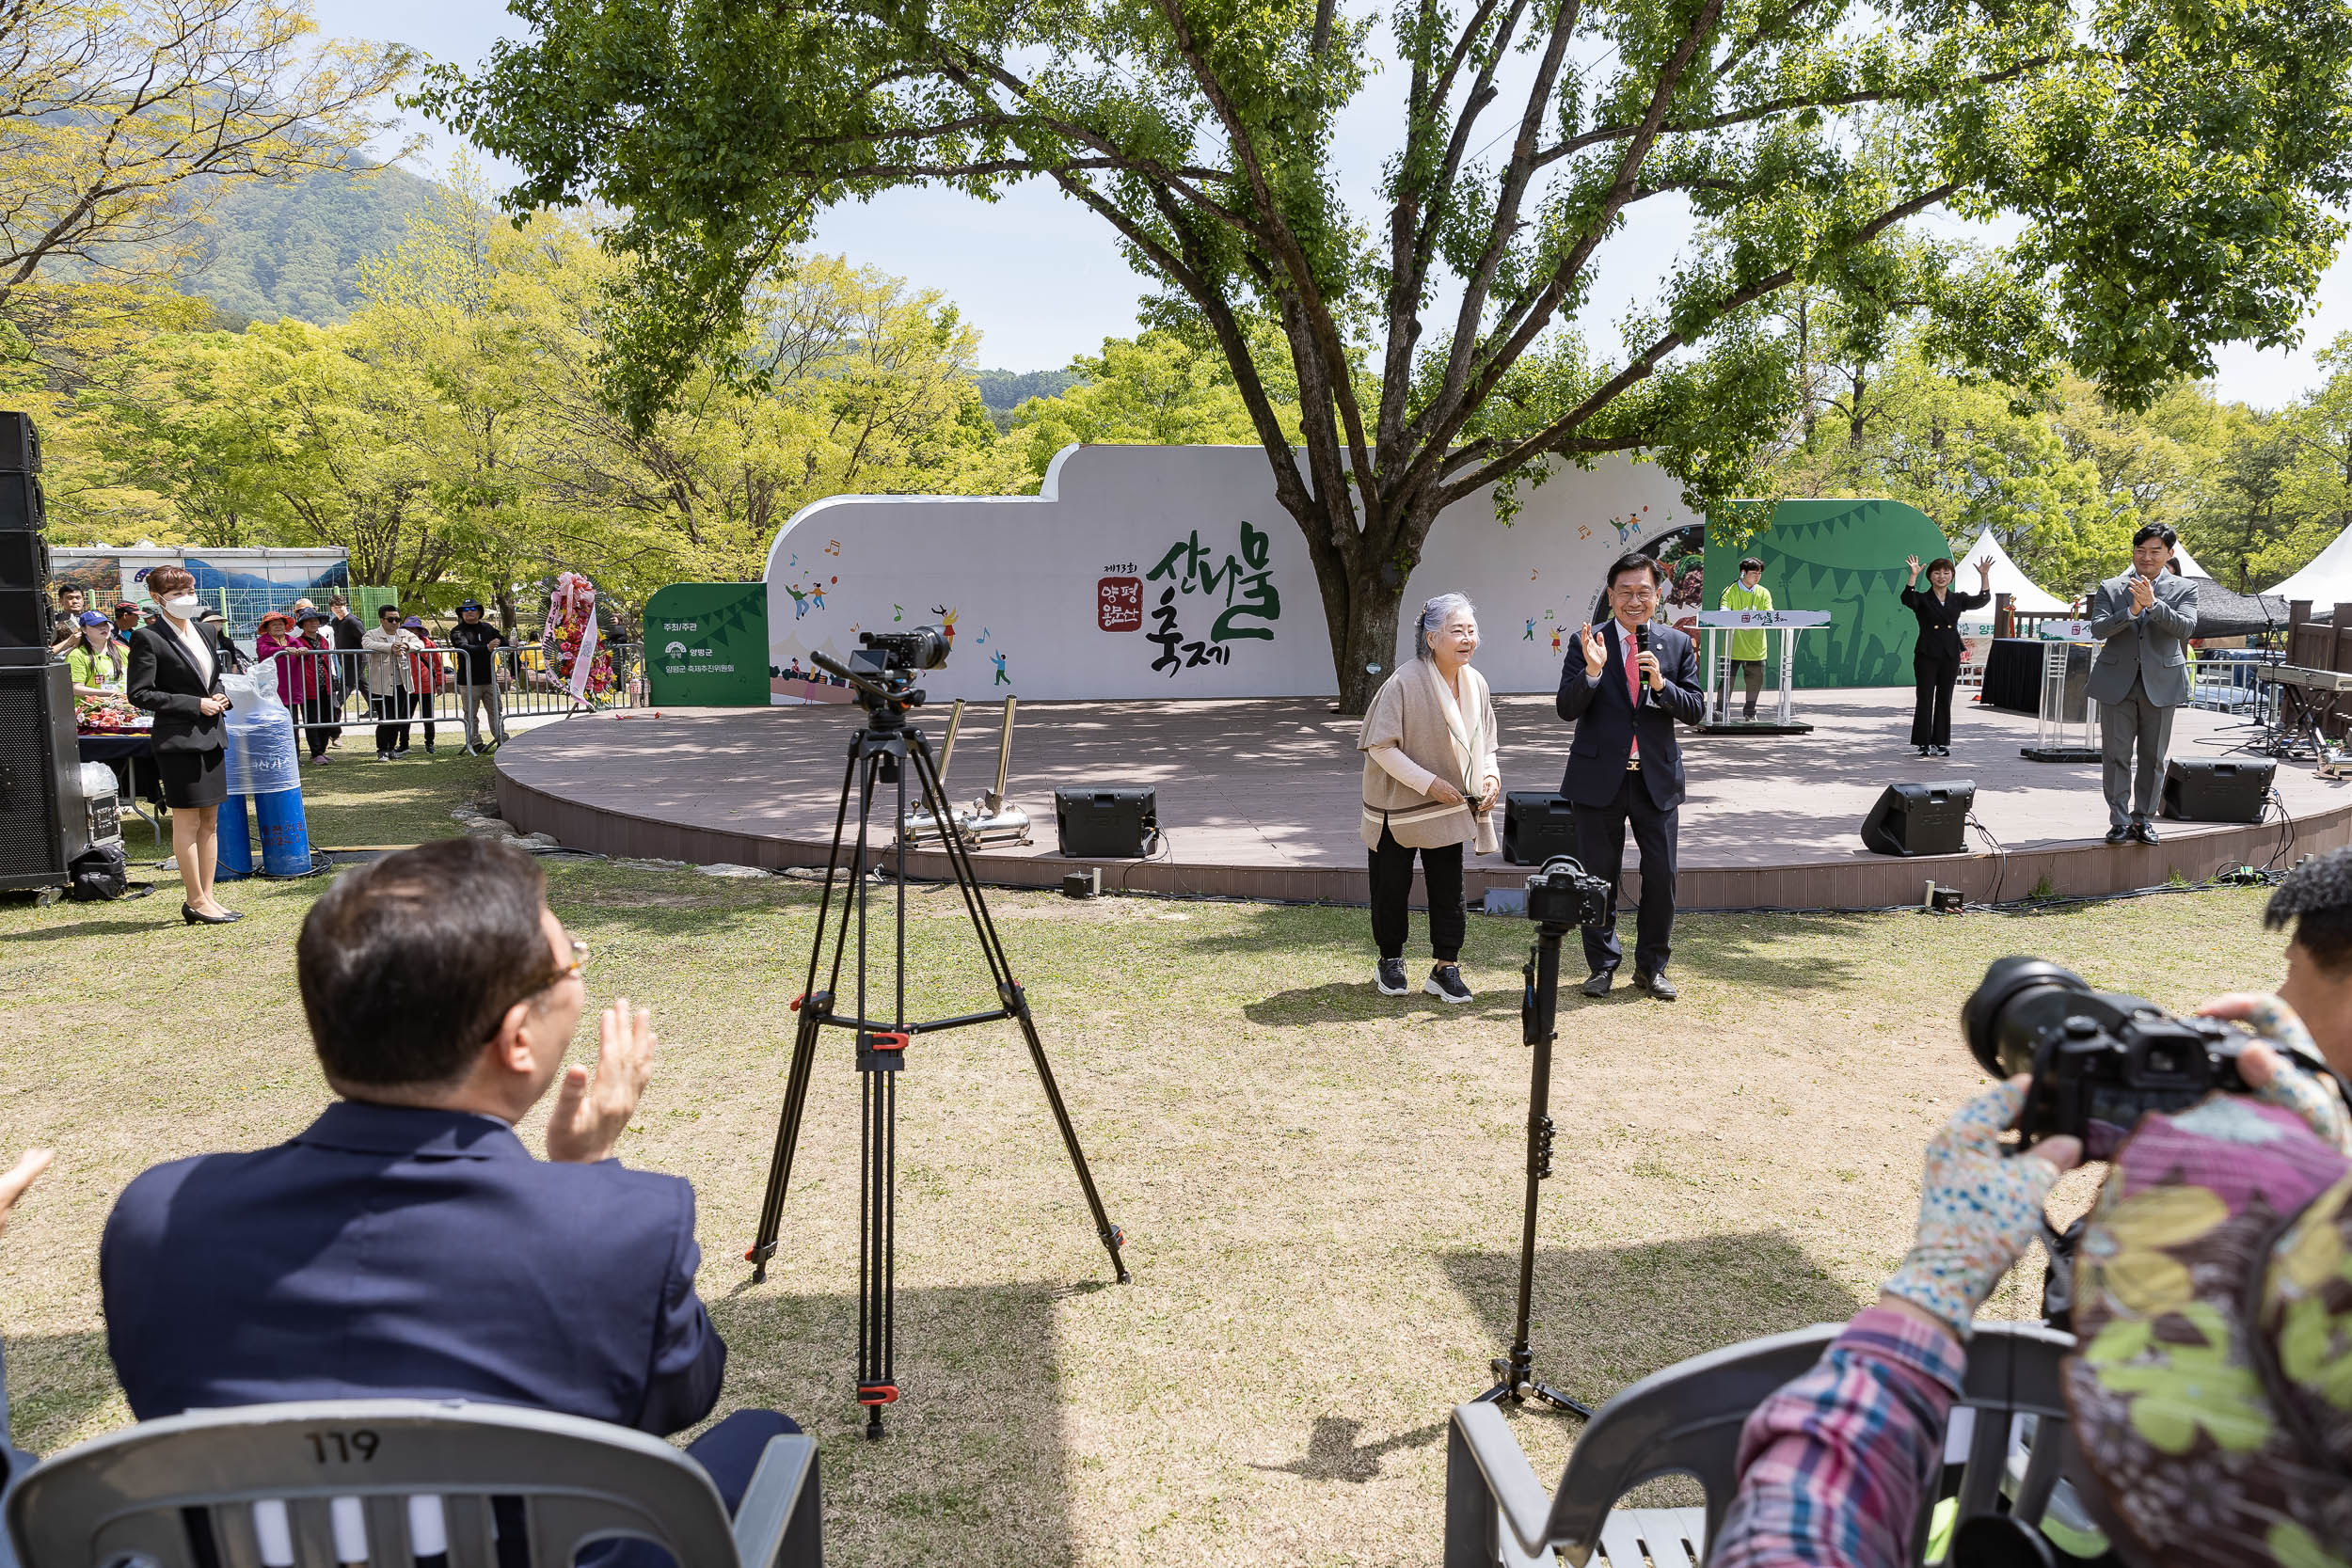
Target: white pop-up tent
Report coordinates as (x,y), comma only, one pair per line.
(2326,581)
(2007,579)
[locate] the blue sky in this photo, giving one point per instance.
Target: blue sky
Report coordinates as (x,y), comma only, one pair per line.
(1042,281)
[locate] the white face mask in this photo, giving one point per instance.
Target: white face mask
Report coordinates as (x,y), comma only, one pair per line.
(184,606)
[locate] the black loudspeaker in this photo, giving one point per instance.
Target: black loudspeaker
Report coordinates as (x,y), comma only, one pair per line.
(25,611)
(1920,818)
(1106,824)
(19,444)
(2206,789)
(1536,825)
(22,506)
(45,823)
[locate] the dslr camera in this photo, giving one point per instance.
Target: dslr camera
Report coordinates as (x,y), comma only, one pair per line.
(2100,1060)
(1564,893)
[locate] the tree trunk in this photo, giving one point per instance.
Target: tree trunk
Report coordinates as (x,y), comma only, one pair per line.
(1366,642)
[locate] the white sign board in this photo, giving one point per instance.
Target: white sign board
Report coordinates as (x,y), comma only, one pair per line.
(1144,572)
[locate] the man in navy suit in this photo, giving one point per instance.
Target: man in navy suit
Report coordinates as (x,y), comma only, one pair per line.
(406,1242)
(1625,766)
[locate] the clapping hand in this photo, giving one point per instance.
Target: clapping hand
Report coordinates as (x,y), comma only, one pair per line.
(589,1118)
(1595,651)
(28,1168)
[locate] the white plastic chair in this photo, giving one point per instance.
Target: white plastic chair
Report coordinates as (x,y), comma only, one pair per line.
(1686,1420)
(400,1483)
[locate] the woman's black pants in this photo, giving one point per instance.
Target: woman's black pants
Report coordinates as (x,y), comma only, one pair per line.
(1931,717)
(314,722)
(1392,885)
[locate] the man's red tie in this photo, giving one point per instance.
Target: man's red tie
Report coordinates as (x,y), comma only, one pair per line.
(1632,683)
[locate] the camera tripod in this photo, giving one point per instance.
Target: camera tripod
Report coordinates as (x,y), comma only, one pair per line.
(1539,1007)
(883,751)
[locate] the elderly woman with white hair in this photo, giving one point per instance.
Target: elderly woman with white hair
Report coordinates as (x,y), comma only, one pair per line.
(1430,785)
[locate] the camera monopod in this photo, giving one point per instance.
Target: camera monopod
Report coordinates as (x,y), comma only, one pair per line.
(1539,1007)
(884,751)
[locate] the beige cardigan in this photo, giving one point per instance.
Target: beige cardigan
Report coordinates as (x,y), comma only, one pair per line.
(1411,713)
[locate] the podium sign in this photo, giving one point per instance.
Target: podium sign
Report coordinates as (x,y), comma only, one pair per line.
(1779,629)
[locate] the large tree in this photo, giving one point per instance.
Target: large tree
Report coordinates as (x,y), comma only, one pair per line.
(123,121)
(2168,168)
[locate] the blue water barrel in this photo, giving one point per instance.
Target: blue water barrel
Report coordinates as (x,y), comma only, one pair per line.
(236,842)
(285,834)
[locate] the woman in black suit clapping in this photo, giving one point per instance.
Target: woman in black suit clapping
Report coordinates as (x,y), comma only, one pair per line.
(1935,661)
(176,666)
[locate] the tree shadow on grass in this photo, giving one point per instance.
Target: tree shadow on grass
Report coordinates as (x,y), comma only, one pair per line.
(1607,1317)
(974,1468)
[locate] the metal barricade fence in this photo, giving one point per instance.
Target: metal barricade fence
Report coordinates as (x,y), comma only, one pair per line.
(337,688)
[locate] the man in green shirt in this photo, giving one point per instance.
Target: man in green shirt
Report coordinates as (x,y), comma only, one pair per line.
(1747,647)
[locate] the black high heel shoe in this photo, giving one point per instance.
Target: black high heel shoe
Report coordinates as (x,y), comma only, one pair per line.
(189,917)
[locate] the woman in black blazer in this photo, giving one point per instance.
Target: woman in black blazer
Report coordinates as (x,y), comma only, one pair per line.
(176,665)
(1935,661)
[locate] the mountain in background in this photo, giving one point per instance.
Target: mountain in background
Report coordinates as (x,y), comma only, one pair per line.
(296,250)
(1004,390)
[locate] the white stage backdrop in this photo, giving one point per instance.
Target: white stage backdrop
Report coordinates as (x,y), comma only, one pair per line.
(1172,572)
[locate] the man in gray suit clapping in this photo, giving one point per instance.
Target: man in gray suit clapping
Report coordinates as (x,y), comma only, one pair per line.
(2146,617)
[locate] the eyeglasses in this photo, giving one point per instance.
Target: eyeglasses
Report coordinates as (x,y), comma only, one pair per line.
(553,978)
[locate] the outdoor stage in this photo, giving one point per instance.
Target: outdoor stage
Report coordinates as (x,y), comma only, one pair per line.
(1259,799)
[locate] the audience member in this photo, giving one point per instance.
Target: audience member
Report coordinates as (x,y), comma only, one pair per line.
(2316,997)
(391,681)
(12,1186)
(426,678)
(94,663)
(478,674)
(320,710)
(1834,1468)
(406,1242)
(296,660)
(67,623)
(350,673)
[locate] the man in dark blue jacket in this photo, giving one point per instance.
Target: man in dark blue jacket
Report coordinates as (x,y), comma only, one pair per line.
(1625,766)
(406,1242)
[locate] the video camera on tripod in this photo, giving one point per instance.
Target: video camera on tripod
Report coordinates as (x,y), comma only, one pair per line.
(882,671)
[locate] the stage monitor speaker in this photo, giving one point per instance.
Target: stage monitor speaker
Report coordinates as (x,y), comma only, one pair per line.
(19,444)
(45,822)
(22,506)
(2207,789)
(1930,819)
(1536,825)
(1106,824)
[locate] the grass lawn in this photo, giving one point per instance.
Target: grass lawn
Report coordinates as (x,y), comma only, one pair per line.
(1319,1185)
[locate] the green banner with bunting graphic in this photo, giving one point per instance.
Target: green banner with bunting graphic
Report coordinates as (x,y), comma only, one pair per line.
(1845,557)
(707,644)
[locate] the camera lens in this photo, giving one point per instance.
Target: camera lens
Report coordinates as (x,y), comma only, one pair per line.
(2003,1014)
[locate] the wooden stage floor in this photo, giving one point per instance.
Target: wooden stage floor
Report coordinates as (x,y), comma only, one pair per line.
(1260,797)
